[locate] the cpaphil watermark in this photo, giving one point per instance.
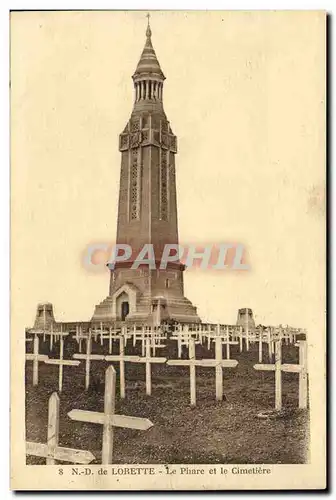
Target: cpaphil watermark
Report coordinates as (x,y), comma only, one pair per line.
(98,257)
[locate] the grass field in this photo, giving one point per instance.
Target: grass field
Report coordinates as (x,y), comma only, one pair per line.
(228,432)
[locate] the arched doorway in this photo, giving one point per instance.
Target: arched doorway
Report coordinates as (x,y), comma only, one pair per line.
(123,306)
(124,310)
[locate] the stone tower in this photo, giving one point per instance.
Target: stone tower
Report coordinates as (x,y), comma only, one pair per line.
(44,319)
(245,317)
(147,210)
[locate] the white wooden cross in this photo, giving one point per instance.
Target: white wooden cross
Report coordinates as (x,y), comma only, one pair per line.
(51,337)
(78,332)
(141,335)
(61,362)
(35,357)
(241,339)
(148,360)
(235,332)
(112,335)
(145,336)
(183,336)
(285,334)
(137,335)
(247,333)
(79,336)
(209,335)
(225,340)
(44,322)
(200,333)
(125,334)
(156,339)
(261,333)
(33,331)
(260,338)
(122,359)
(229,342)
(182,339)
(303,373)
(101,334)
(108,418)
(58,334)
(51,450)
(88,358)
(270,344)
(277,367)
(218,363)
(95,333)
(289,335)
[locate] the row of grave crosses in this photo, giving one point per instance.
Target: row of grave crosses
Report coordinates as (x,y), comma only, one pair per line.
(230,335)
(202,334)
(218,363)
(147,359)
(113,334)
(52,451)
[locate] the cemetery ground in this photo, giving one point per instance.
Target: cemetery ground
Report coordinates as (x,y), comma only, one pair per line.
(226,432)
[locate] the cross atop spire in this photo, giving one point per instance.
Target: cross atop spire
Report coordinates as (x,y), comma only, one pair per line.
(148,31)
(148,64)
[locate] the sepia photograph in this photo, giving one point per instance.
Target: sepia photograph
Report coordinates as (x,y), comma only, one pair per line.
(168,215)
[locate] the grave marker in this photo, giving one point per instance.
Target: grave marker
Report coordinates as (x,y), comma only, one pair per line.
(148,360)
(61,362)
(270,345)
(303,374)
(183,337)
(51,338)
(35,357)
(44,323)
(247,332)
(277,367)
(88,358)
(52,451)
(108,419)
(79,337)
(156,338)
(122,359)
(260,345)
(110,335)
(113,335)
(225,340)
(241,339)
(218,363)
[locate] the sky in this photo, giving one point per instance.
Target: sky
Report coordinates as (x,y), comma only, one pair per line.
(245,96)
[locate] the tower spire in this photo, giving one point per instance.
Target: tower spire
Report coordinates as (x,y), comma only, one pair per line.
(148,31)
(148,65)
(148,77)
